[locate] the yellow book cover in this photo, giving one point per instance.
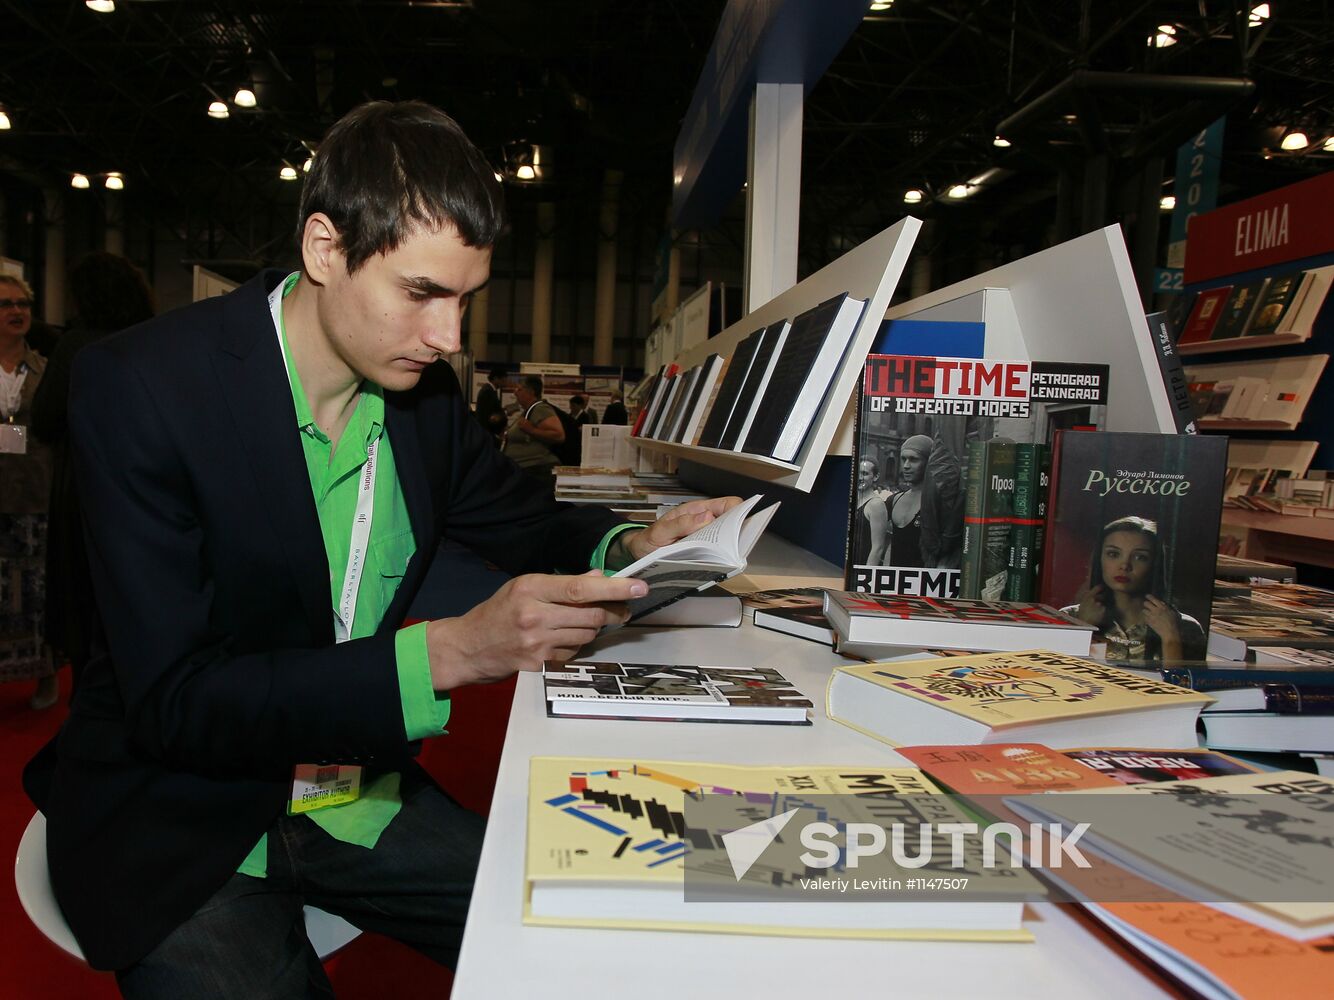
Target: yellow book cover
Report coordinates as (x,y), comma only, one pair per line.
(608,843)
(1014,697)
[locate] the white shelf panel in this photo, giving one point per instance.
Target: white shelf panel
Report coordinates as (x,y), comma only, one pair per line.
(871,272)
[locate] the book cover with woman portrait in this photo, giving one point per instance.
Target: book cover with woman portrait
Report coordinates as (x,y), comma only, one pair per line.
(1132,538)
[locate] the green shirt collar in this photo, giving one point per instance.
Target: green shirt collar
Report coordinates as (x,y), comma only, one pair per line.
(367,420)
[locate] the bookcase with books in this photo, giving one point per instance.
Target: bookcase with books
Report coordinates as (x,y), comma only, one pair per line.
(1257,329)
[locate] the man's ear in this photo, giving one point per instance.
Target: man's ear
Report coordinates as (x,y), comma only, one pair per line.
(320,249)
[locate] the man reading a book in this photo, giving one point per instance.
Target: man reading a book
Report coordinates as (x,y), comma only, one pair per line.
(266,477)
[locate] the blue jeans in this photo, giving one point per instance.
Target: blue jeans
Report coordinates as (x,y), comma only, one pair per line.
(248,940)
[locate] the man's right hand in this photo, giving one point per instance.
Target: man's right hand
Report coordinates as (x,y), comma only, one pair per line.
(528,621)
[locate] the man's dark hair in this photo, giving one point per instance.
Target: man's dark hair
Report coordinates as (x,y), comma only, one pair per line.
(495,375)
(534,384)
(109,292)
(577,400)
(384,168)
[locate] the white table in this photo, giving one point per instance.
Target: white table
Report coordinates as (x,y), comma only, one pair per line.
(502,958)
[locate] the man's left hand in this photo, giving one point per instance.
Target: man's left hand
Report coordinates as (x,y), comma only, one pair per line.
(680,521)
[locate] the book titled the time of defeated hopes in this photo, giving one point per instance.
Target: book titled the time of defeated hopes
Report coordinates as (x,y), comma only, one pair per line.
(994,626)
(714,552)
(1035,696)
(625,843)
(606,690)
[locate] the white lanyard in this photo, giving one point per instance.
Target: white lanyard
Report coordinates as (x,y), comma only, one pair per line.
(13,390)
(365,511)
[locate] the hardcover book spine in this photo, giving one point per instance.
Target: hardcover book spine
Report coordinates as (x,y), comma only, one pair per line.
(1228,679)
(999,511)
(1174,376)
(973,504)
(1041,502)
(1047,554)
(1019,575)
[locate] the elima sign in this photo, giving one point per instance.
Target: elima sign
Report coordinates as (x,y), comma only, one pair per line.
(1288,224)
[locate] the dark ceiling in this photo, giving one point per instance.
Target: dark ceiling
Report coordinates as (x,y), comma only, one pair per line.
(913,101)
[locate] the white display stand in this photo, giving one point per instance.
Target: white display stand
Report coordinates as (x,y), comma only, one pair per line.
(871,272)
(503,958)
(1078,302)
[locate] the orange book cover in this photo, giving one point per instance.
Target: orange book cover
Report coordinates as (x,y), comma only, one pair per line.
(1005,769)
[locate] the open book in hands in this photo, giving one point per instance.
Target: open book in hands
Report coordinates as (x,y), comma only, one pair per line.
(715,552)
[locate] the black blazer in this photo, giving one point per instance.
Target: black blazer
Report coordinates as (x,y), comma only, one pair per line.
(220,671)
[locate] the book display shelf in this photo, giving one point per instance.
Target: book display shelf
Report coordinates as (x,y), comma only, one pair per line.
(1074,302)
(1264,375)
(870,272)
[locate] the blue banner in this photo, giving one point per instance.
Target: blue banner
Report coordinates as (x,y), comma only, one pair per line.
(1195,185)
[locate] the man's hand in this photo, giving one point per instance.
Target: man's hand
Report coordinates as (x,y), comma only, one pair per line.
(680,521)
(528,621)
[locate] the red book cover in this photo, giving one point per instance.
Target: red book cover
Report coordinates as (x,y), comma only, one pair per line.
(1204,316)
(1004,769)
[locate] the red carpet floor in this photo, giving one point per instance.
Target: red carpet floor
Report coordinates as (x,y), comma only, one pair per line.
(370,968)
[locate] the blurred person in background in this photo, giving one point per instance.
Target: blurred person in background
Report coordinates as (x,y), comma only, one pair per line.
(109,294)
(25,484)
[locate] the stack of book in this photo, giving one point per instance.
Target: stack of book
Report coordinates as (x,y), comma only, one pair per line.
(1274,614)
(636,496)
(1220,949)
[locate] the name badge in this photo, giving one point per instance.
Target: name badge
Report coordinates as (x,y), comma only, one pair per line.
(13,439)
(318,786)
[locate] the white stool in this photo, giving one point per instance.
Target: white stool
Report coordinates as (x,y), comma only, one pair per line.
(32,879)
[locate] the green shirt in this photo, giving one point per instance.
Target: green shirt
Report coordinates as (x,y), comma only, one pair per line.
(334,474)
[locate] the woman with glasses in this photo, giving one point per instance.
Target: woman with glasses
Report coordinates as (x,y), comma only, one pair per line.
(25,485)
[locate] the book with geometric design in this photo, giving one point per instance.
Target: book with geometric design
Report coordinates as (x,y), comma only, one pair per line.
(602,690)
(611,845)
(1054,699)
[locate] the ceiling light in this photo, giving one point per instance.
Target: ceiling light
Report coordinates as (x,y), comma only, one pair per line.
(288,172)
(1295,140)
(1329,144)
(78,181)
(1259,15)
(1001,142)
(499,177)
(912,197)
(245,98)
(882,4)
(115,181)
(101,6)
(310,162)
(525,172)
(1167,35)
(5,126)
(218,109)
(1167,202)
(959,191)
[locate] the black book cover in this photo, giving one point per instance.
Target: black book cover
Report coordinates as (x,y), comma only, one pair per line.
(1239,310)
(1274,303)
(730,391)
(746,401)
(803,344)
(1131,538)
(1163,333)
